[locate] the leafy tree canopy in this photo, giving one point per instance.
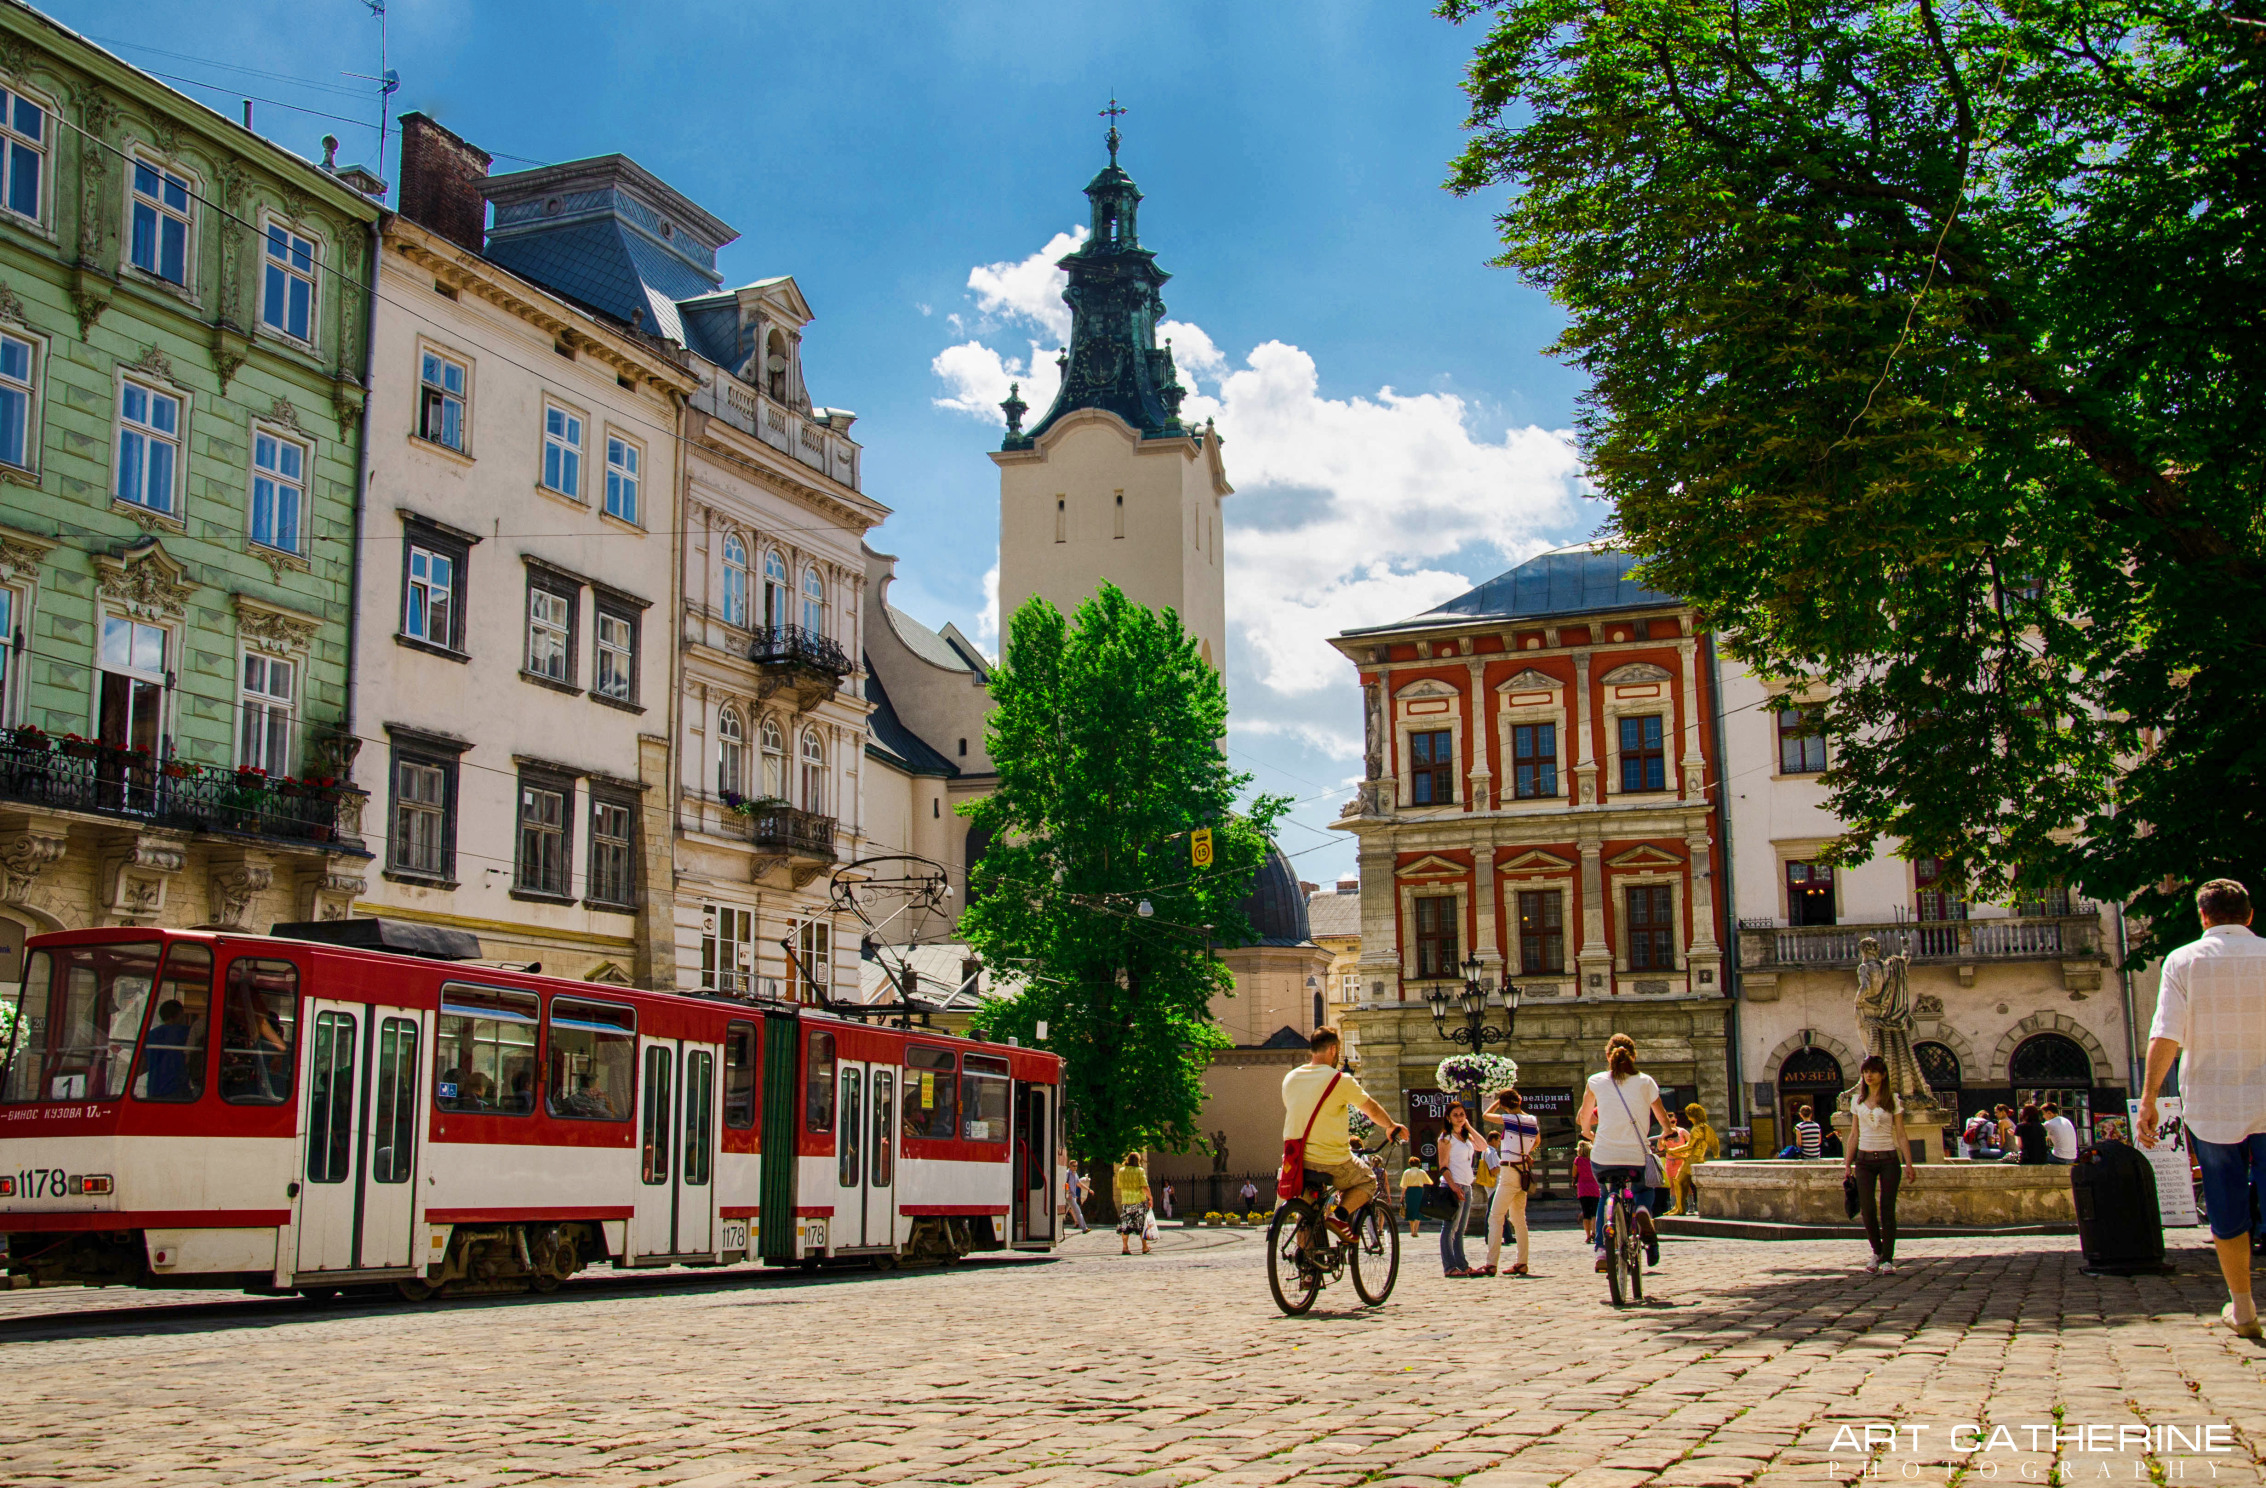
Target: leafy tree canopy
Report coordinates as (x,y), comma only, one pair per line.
(1925,346)
(1107,733)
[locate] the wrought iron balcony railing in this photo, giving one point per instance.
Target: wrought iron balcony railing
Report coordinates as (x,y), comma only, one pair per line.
(795,646)
(791,832)
(2020,938)
(71,774)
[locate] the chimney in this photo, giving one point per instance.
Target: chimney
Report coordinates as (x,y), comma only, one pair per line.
(1349,885)
(444,182)
(1308,890)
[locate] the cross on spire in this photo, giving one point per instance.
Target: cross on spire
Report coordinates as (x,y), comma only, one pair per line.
(1113,113)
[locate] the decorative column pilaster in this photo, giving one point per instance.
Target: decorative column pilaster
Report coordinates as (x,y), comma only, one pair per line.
(1483,887)
(1379,967)
(1695,769)
(1596,959)
(1585,760)
(1480,795)
(29,844)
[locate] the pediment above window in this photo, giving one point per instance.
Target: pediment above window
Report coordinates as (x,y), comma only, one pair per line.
(1635,671)
(1430,687)
(1531,680)
(1536,860)
(1644,857)
(1432,866)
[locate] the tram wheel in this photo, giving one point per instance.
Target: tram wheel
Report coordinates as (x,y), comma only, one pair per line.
(416,1289)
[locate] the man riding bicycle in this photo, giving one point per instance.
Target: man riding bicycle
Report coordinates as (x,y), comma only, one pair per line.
(1315,1098)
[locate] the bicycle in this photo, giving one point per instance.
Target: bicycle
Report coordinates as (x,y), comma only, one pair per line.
(1304,1254)
(1624,1246)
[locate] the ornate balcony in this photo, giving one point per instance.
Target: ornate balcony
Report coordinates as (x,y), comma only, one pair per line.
(81,775)
(1767,949)
(805,660)
(783,836)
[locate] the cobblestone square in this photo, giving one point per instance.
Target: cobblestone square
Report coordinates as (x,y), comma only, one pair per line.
(1753,1362)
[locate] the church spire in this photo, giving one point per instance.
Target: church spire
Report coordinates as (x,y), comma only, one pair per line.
(1113,361)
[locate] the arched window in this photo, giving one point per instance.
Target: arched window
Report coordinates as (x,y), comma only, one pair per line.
(731,752)
(1939,1066)
(2050,1059)
(735,580)
(814,773)
(777,598)
(774,746)
(814,602)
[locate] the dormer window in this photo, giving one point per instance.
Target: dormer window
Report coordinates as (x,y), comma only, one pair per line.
(775,367)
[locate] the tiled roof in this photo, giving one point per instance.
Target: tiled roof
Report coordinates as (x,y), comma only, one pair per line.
(1572,581)
(1334,914)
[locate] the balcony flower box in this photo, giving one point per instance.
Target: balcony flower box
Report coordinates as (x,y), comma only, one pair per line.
(75,747)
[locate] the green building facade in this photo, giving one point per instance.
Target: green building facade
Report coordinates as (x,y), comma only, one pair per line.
(183,333)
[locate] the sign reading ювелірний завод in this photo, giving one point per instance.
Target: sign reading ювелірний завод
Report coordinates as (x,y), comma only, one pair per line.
(2076,1452)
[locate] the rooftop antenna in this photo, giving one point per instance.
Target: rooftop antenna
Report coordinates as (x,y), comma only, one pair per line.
(388,82)
(1112,113)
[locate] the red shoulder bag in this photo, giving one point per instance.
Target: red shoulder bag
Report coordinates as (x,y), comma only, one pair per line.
(1291,1181)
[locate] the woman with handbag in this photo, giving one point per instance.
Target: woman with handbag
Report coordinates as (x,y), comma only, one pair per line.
(1132,1203)
(1880,1158)
(1618,1106)
(1519,1140)
(1460,1147)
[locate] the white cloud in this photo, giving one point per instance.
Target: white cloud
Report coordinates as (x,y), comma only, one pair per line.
(1348,511)
(987,619)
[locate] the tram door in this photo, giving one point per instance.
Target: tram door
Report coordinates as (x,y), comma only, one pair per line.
(865,1154)
(678,1103)
(362,1074)
(1033,1197)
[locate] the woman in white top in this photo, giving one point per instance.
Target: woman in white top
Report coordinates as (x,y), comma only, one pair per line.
(1459,1150)
(1518,1142)
(1879,1157)
(1618,1108)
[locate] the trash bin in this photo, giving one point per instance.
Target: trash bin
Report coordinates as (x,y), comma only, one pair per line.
(2119,1228)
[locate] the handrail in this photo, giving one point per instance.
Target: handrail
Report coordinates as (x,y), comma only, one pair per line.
(73,774)
(795,645)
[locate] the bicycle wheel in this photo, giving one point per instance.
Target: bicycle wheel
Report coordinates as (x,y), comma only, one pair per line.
(1376,1253)
(1617,1226)
(1294,1280)
(1633,1248)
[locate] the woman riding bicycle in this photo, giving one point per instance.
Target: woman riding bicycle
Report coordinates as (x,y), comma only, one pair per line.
(1614,1108)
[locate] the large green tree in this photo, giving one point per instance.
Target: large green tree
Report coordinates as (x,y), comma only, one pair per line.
(1925,345)
(1108,732)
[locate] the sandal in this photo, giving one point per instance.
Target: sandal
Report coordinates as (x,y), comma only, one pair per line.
(1518,1270)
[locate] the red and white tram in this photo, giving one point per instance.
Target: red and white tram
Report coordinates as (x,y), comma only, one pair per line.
(188,1108)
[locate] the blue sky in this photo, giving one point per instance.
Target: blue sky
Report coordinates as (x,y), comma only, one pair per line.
(884,154)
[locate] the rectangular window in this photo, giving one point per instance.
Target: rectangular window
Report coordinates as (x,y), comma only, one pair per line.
(1432,768)
(1801,748)
(1809,894)
(562,451)
(818,1081)
(1542,932)
(149,446)
(616,673)
(593,1060)
(884,1128)
(542,863)
(1936,900)
(330,1098)
(484,1051)
(931,1107)
(727,949)
(279,492)
(440,406)
(1644,762)
(23,139)
(653,1142)
(264,742)
(1534,760)
(739,1076)
(393,1135)
(1652,940)
(16,391)
(287,290)
(849,1165)
(135,659)
(613,876)
(1436,937)
(80,1020)
(700,1096)
(550,632)
(432,585)
(173,1051)
(622,462)
(161,223)
(423,839)
(259,1032)
(983,1098)
(810,971)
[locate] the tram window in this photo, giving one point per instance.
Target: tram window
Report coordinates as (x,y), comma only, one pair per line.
(394,1136)
(656,1136)
(739,1076)
(259,1032)
(484,1053)
(818,1081)
(983,1098)
(846,1151)
(700,1097)
(930,1103)
(173,1051)
(330,1100)
(593,1061)
(884,1126)
(80,1019)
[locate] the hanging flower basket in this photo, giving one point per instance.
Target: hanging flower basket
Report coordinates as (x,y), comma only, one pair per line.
(1487,1072)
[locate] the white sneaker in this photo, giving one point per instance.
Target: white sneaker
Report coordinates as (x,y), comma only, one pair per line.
(1888,1268)
(1872,1268)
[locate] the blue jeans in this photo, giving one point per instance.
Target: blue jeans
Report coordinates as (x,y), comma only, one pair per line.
(1611,1181)
(1451,1236)
(2230,1171)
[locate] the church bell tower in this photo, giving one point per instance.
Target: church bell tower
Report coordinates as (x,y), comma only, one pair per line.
(1109,483)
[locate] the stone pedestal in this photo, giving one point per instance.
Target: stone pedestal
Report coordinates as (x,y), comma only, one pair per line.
(1980,1195)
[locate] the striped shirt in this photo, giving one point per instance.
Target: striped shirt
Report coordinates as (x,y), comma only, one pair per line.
(1810,1137)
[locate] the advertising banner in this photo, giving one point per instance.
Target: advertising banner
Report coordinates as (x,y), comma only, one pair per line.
(2175,1186)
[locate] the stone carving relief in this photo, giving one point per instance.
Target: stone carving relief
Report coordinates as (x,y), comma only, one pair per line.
(136,873)
(20,557)
(286,413)
(273,628)
(12,306)
(231,889)
(1531,680)
(1635,671)
(329,893)
(1373,730)
(156,364)
(145,581)
(23,854)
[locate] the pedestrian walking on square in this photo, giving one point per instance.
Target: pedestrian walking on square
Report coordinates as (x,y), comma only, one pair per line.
(1673,1145)
(1808,1135)
(1250,1192)
(1880,1159)
(1586,1190)
(2211,1017)
(1459,1153)
(1168,1201)
(2061,1133)
(1705,1146)
(1414,1182)
(1072,1186)
(1132,1204)
(1516,1145)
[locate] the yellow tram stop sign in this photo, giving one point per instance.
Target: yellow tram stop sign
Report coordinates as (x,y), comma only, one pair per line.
(1200,847)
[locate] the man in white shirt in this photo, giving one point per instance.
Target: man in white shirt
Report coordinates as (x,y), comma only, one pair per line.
(2211,1016)
(2061,1132)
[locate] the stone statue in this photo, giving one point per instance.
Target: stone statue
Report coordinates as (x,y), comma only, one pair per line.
(1884,1019)
(1373,731)
(1219,1152)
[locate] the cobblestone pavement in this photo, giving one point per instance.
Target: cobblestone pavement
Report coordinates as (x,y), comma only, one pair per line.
(1169,1369)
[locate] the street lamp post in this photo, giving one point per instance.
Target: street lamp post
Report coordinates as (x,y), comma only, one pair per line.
(1475,1034)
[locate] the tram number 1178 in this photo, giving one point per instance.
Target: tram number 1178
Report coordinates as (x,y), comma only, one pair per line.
(34,1183)
(735,1234)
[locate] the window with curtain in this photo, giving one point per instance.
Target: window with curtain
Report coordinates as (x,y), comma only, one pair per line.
(735,580)
(813,772)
